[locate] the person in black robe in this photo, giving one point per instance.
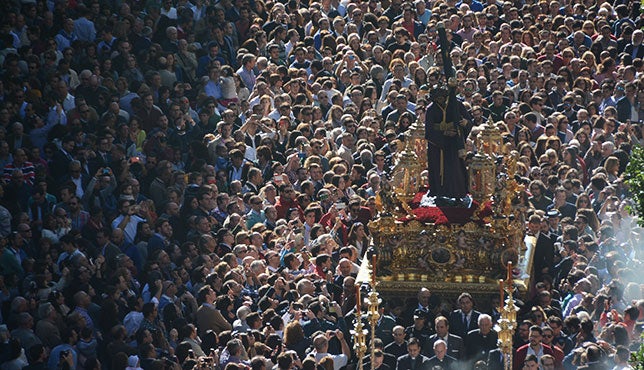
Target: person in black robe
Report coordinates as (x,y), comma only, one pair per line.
(447,124)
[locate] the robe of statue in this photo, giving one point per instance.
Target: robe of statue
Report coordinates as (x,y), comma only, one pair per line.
(447,172)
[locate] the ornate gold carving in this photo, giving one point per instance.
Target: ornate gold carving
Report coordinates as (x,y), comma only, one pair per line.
(417,253)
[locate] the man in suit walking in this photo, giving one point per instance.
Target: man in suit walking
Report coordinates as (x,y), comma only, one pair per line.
(453,342)
(481,341)
(465,319)
(413,360)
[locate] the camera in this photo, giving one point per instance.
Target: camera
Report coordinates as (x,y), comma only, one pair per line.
(105,171)
(64,354)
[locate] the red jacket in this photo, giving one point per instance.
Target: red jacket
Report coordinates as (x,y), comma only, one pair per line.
(282,206)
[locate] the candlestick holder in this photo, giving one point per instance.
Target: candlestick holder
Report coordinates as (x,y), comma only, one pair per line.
(507,323)
(373,315)
(360,339)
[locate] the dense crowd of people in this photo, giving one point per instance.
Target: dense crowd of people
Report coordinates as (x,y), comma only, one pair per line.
(188,184)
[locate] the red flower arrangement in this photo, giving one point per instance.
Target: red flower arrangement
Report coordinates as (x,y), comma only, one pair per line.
(446,215)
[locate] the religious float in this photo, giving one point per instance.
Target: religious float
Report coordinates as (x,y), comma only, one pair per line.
(452,245)
(474,244)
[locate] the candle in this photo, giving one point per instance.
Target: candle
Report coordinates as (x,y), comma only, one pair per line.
(501,290)
(373,270)
(358,312)
(509,275)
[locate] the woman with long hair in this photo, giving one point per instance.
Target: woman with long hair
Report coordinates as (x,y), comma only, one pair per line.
(334,116)
(365,105)
(583,140)
(527,38)
(358,237)
(526,150)
(420,77)
(611,165)
(606,70)
(294,338)
(404,121)
(569,157)
(591,61)
(567,74)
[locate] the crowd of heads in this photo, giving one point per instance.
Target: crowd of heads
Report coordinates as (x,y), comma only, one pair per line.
(190,183)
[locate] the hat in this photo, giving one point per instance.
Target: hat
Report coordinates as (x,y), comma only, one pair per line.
(133,361)
(419,314)
(553,213)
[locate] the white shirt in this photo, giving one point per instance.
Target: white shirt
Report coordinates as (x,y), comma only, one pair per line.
(130,229)
(339,361)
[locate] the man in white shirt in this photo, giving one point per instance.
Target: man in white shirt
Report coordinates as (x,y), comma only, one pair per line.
(321,346)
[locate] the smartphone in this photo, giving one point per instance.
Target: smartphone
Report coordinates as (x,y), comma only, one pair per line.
(340,206)
(278,179)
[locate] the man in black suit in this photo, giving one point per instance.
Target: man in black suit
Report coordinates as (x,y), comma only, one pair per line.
(453,342)
(635,49)
(465,319)
(481,341)
(544,249)
(441,359)
(239,167)
(398,347)
(495,360)
(626,103)
(413,360)
(425,301)
(388,360)
(378,361)
(61,159)
(103,156)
